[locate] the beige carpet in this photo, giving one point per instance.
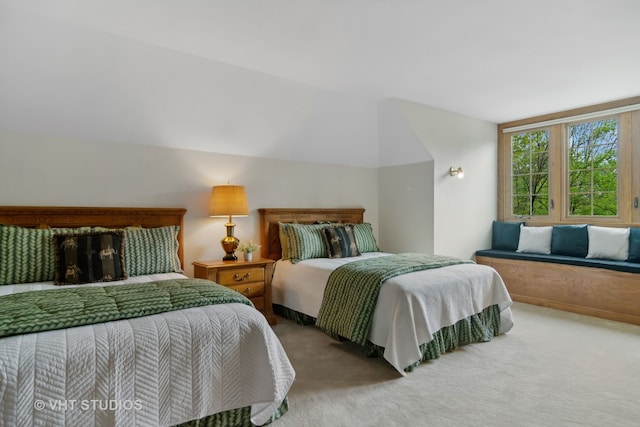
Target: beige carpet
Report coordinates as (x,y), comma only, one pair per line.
(552,369)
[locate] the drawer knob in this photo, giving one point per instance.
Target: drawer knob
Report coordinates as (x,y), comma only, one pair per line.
(246,292)
(237,277)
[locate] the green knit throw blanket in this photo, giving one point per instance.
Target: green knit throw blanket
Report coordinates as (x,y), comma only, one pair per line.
(37,311)
(352,291)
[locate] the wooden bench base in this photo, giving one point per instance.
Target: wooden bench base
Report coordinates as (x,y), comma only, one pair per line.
(599,292)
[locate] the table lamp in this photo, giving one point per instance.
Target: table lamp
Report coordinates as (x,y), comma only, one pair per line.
(228,200)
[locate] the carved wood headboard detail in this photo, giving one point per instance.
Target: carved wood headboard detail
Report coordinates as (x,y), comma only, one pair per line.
(44,216)
(269,218)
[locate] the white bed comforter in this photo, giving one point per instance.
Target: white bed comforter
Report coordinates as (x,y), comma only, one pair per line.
(157,370)
(410,308)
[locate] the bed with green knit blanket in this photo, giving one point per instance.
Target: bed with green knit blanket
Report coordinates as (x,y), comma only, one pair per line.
(407,308)
(99,326)
(66,307)
(353,288)
(145,344)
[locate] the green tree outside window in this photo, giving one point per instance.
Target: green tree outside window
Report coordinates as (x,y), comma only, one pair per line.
(593,168)
(530,173)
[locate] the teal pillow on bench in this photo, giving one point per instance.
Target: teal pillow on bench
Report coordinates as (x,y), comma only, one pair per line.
(505,235)
(634,245)
(570,240)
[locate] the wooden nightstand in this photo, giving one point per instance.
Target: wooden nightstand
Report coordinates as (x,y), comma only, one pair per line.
(250,278)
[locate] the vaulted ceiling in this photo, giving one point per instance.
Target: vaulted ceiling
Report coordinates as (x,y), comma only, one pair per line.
(495,60)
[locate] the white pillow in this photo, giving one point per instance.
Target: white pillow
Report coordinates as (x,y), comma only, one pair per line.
(535,240)
(608,243)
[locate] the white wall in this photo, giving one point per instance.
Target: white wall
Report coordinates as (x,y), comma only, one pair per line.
(399,142)
(42,171)
(405,184)
(422,208)
(406,208)
(463,209)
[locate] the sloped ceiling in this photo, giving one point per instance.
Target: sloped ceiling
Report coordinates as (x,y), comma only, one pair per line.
(495,60)
(303,80)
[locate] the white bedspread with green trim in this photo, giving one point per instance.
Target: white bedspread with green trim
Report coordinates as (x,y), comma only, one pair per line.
(411,307)
(352,291)
(159,370)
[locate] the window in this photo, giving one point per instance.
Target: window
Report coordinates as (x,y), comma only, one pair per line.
(580,166)
(593,168)
(530,173)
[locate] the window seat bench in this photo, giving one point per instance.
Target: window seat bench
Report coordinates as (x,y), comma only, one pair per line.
(596,287)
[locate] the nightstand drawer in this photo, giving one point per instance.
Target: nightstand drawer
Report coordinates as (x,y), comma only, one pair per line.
(249,290)
(241,275)
(250,278)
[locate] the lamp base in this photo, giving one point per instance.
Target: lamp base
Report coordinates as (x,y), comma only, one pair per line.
(230,244)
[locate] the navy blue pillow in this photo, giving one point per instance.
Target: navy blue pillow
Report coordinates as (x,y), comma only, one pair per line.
(505,235)
(634,245)
(570,240)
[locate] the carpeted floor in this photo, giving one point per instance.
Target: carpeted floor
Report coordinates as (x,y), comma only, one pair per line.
(552,369)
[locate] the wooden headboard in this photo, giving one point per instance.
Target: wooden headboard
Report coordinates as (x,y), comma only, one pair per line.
(270,217)
(44,216)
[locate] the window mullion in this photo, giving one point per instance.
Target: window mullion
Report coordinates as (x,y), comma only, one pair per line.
(627,177)
(633,147)
(557,173)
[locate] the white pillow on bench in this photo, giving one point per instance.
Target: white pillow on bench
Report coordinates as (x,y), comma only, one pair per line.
(535,240)
(608,243)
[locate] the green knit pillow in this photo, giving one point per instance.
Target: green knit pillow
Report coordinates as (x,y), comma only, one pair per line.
(151,250)
(26,254)
(364,238)
(302,241)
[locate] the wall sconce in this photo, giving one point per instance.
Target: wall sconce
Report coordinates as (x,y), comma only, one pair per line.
(228,200)
(457,172)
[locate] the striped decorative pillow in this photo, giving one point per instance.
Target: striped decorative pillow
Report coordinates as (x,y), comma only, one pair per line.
(89,257)
(151,250)
(26,254)
(340,242)
(364,237)
(302,241)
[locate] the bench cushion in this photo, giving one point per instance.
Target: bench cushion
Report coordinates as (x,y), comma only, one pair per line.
(629,267)
(570,240)
(505,235)
(634,245)
(535,240)
(608,243)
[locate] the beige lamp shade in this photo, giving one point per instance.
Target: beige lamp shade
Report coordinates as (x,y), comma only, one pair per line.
(228,200)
